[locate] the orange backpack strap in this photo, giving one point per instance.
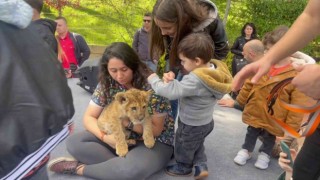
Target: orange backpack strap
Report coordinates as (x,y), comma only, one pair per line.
(314,111)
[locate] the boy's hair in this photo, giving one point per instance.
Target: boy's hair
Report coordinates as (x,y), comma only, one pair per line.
(197,45)
(274,36)
(35,4)
(63,18)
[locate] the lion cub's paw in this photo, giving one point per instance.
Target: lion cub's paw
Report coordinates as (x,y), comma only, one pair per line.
(149,142)
(131,142)
(121,149)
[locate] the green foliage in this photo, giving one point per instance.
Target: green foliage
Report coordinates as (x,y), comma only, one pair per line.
(267,14)
(102,22)
(161,65)
(228,61)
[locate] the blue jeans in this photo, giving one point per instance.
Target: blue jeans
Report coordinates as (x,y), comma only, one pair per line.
(189,143)
(252,136)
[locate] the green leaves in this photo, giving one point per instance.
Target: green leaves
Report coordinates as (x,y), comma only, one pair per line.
(161,65)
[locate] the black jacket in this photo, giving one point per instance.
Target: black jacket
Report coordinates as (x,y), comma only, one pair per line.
(46,29)
(82,50)
(35,101)
(218,34)
(237,47)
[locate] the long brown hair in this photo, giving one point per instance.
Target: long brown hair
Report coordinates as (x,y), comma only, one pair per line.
(61,53)
(130,58)
(186,14)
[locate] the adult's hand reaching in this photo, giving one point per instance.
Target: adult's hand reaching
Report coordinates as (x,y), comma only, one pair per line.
(308,80)
(256,69)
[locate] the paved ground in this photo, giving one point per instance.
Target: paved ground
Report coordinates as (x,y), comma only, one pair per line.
(221,146)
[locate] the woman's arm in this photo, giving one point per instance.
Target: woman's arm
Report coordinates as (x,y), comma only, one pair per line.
(90,119)
(235,48)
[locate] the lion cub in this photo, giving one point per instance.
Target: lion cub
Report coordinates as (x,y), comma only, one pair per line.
(131,104)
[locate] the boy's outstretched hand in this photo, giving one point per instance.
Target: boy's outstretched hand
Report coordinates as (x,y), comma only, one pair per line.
(167,77)
(226,103)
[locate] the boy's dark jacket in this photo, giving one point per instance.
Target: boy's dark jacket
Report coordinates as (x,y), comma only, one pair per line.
(35,101)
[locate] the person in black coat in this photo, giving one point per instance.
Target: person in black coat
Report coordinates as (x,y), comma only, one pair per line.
(36,103)
(248,33)
(46,28)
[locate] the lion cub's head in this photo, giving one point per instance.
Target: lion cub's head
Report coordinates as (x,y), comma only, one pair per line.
(134,104)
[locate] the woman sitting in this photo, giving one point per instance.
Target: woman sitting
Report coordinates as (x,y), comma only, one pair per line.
(94,153)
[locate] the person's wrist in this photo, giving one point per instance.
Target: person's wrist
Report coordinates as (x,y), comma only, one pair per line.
(151,76)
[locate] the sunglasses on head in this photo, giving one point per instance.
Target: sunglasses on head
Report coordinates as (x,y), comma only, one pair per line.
(146,20)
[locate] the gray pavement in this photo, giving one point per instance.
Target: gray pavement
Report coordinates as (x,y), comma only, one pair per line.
(221,146)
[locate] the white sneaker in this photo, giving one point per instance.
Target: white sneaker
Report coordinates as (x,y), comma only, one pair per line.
(242,157)
(262,161)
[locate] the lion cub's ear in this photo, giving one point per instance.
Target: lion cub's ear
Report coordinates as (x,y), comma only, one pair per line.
(121,97)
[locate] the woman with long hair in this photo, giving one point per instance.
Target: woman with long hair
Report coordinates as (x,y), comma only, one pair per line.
(94,153)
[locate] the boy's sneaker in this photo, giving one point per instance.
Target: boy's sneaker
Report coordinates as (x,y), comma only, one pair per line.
(242,157)
(179,170)
(201,171)
(262,161)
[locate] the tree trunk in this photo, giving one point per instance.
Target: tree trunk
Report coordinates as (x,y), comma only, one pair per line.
(60,12)
(225,18)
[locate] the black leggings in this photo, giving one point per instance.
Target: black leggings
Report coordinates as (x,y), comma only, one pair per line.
(101,162)
(307,163)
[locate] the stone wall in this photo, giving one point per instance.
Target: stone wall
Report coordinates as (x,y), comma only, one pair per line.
(96,51)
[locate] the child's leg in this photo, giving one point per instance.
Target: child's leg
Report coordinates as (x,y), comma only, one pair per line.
(251,138)
(183,153)
(268,142)
(200,157)
(250,141)
(187,141)
(265,150)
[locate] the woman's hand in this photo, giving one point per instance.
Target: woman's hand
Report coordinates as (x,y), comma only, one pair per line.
(284,162)
(125,122)
(110,140)
(226,103)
